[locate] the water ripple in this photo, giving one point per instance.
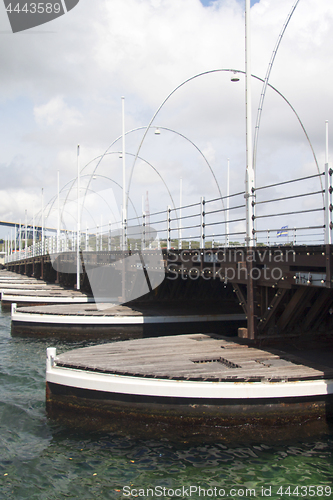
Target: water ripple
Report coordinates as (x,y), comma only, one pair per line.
(42,460)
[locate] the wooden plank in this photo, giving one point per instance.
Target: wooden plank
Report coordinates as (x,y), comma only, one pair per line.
(172,357)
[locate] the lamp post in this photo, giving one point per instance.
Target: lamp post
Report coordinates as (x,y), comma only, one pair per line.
(249,183)
(58,214)
(78,284)
(228,206)
(42,222)
(33,233)
(249,179)
(124,218)
(26,237)
(20,239)
(180,213)
(328,195)
(124,208)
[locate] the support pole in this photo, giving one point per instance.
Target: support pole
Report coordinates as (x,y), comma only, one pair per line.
(124,243)
(168,228)
(249,183)
(328,195)
(42,222)
(20,239)
(124,173)
(26,237)
(180,214)
(58,221)
(143,239)
(228,206)
(251,296)
(249,178)
(33,235)
(78,284)
(202,222)
(328,215)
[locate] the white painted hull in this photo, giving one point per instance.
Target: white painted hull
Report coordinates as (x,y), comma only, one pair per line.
(13,299)
(161,388)
(106,320)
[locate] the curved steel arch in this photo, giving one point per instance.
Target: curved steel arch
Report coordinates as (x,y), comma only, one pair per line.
(130,154)
(175,132)
(264,87)
(203,74)
(52,201)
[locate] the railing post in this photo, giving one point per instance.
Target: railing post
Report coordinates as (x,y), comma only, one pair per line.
(26,237)
(20,240)
(202,222)
(252,317)
(43,221)
(143,235)
(180,215)
(125,235)
(168,227)
(33,235)
(109,238)
(328,196)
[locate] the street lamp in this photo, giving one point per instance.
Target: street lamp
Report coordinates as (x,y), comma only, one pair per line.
(249,176)
(78,284)
(124,211)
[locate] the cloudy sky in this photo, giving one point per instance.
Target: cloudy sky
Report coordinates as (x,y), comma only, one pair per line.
(61,85)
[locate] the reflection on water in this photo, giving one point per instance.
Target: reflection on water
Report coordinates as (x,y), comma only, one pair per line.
(41,459)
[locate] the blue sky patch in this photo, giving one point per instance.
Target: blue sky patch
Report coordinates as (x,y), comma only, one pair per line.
(206,3)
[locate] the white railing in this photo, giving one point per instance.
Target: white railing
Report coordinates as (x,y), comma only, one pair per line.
(292,212)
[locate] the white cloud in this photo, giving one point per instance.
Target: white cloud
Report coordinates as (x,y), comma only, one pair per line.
(57,113)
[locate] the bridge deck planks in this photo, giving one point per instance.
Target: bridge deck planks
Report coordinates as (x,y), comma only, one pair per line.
(118,310)
(173,358)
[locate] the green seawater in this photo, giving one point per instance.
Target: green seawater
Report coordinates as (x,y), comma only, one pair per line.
(41,459)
